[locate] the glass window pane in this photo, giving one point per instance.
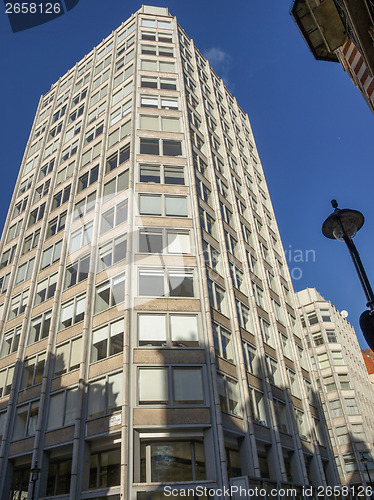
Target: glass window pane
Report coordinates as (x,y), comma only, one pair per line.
(153,386)
(188,386)
(176,206)
(149,204)
(152,329)
(151,283)
(184,331)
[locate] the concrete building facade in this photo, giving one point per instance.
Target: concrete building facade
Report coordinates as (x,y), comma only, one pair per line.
(149,333)
(343,382)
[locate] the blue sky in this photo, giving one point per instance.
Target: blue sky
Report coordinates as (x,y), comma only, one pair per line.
(313,129)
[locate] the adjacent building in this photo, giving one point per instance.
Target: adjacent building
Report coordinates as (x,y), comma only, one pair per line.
(149,332)
(341,31)
(368,356)
(343,383)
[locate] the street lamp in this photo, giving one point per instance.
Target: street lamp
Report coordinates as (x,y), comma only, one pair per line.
(342,225)
(364,461)
(35,471)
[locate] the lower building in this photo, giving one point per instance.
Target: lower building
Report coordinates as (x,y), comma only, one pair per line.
(368,356)
(343,383)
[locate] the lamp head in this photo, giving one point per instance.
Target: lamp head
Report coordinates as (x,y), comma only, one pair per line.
(342,222)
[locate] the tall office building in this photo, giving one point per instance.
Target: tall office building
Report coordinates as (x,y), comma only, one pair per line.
(343,382)
(149,330)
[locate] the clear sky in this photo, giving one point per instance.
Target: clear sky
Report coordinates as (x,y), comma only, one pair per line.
(312,127)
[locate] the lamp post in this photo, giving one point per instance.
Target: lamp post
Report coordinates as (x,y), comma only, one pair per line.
(35,471)
(342,225)
(364,461)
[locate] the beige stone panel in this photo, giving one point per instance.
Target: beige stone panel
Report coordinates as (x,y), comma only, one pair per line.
(30,393)
(40,346)
(13,323)
(166,304)
(270,350)
(161,134)
(314,411)
(21,446)
(41,308)
(106,365)
(240,296)
(160,188)
(169,160)
(48,270)
(286,440)
(8,360)
(220,318)
(59,436)
(277,392)
(297,402)
(74,291)
(226,367)
(66,380)
(254,381)
(289,363)
(166,356)
(108,315)
(247,336)
(171,416)
(307,446)
(69,333)
(164,260)
(100,426)
(176,222)
(232,423)
(4,402)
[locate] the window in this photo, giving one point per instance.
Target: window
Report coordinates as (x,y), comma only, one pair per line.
(69,151)
(96,113)
(123,75)
(110,293)
(231,243)
(116,185)
(56,225)
(162,174)
(33,370)
(77,271)
(100,94)
(344,381)
(244,316)
(116,159)
(228,394)
(74,130)
(62,409)
(61,197)
(51,255)
(36,215)
(301,424)
(325,315)
(172,386)
(323,360)
(351,406)
(46,289)
(159,240)
(72,312)
(67,356)
(77,112)
(114,216)
(59,475)
(105,469)
(93,133)
(211,256)
(119,133)
(166,282)
(337,358)
(6,379)
(7,257)
(161,460)
(30,242)
(120,94)
(312,318)
(18,304)
(46,169)
(25,420)
(152,147)
(223,344)
(41,190)
(39,327)
(331,336)
(81,237)
(122,111)
(161,83)
(10,342)
(107,340)
(90,154)
(294,384)
(85,205)
(14,231)
(251,359)
(112,252)
(19,207)
(336,408)
(59,114)
(105,395)
(281,415)
(167,330)
(88,178)
(237,278)
(329,383)
(272,370)
(4,282)
(169,205)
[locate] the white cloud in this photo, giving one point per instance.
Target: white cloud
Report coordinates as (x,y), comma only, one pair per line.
(220,62)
